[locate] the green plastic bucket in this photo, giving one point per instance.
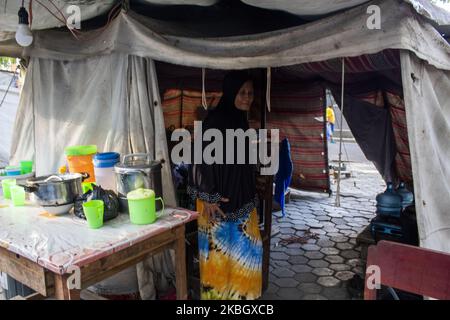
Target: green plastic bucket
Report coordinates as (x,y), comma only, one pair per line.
(26,167)
(142,206)
(93,210)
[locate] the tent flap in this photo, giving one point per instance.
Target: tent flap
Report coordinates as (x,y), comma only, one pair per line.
(427,105)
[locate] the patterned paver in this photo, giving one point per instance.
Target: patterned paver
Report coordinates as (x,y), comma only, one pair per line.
(321,268)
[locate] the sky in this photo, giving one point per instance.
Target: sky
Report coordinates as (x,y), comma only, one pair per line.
(444,5)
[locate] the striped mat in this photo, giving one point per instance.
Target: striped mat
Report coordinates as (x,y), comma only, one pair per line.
(298,112)
(295,112)
(403,157)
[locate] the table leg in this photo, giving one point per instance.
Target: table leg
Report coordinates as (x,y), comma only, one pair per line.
(62,291)
(180,265)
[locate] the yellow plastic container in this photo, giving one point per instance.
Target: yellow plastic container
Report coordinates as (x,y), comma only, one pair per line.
(79,159)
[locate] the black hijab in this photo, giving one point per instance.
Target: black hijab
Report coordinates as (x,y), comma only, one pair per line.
(235,182)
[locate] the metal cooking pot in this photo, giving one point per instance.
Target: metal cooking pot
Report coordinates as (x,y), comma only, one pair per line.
(56,190)
(138,171)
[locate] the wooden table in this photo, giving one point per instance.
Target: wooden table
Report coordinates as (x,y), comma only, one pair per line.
(41,251)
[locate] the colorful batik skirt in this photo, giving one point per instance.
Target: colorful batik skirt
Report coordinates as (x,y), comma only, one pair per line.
(230,255)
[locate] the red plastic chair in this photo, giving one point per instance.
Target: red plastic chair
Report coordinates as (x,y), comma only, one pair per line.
(411,269)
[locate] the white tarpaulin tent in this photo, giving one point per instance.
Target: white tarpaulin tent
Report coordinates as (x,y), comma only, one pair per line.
(57,88)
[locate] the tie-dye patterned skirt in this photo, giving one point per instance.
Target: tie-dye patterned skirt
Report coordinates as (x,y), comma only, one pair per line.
(230,255)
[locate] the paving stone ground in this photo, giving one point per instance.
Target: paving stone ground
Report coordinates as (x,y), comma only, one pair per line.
(321,268)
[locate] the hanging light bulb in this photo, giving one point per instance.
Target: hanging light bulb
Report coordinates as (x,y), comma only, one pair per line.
(24,37)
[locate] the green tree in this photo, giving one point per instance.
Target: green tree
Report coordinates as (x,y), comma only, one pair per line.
(6,63)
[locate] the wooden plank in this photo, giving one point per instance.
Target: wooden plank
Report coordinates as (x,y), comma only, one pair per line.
(370,294)
(180,265)
(121,260)
(89,295)
(266,195)
(62,291)
(27,272)
(412,269)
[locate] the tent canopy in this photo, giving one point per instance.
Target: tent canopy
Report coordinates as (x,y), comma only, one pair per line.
(306,9)
(202,18)
(341,35)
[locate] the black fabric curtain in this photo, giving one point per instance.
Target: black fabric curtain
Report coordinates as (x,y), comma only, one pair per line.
(372,128)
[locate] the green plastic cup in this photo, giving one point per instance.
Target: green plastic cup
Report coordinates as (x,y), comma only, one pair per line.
(6,186)
(93,210)
(26,167)
(17,195)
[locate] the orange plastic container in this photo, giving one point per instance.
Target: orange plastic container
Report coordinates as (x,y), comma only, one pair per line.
(79,159)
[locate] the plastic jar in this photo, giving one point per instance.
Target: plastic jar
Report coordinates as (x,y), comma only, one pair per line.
(79,159)
(13,171)
(104,170)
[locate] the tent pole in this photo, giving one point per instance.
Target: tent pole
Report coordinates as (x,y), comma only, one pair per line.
(338,192)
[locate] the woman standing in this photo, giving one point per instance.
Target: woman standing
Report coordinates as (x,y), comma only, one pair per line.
(230,245)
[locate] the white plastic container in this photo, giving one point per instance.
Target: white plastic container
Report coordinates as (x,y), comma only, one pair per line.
(104,170)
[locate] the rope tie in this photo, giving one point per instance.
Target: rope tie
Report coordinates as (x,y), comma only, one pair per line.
(338,191)
(204,102)
(268,87)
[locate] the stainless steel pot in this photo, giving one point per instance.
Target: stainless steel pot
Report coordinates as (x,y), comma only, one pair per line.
(56,190)
(138,171)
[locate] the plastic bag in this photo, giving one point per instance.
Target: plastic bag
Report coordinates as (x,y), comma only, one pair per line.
(108,197)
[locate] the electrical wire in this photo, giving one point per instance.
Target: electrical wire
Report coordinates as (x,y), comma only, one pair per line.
(30,11)
(79,35)
(63,20)
(50,11)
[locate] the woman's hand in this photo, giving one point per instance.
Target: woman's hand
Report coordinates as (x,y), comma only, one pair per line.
(209,209)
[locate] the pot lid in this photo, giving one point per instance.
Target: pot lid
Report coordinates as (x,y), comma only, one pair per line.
(140,194)
(137,162)
(107,156)
(54,178)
